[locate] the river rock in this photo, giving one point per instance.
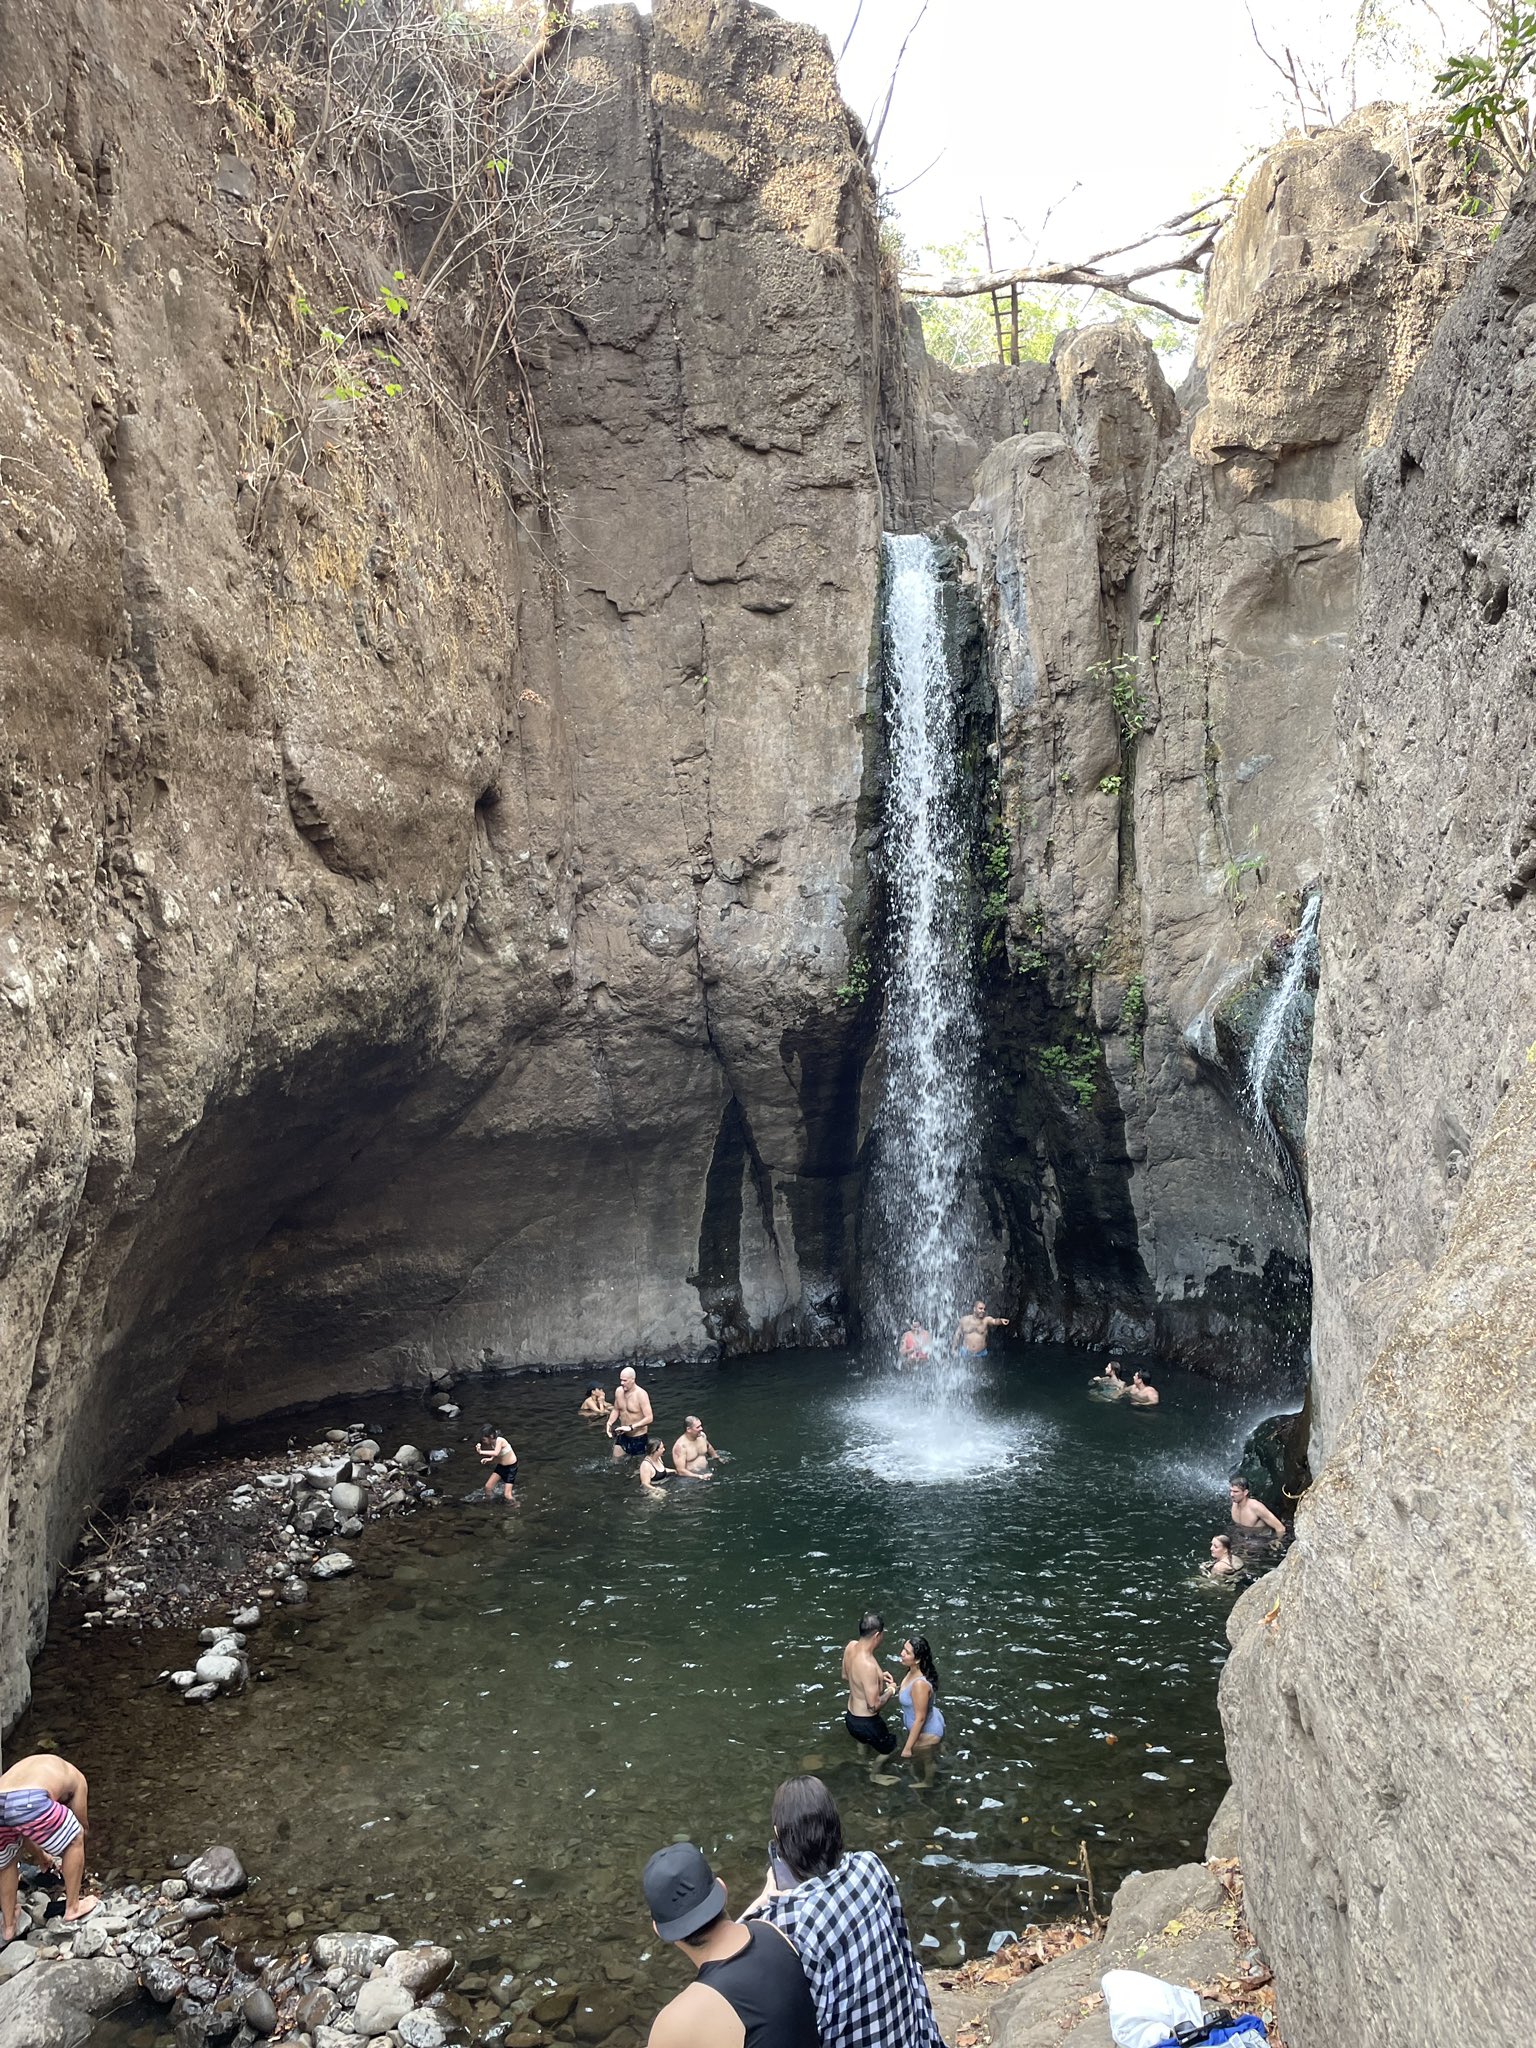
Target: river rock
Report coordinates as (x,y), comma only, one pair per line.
(554,2007)
(421,2029)
(90,1938)
(217,1874)
(196,1694)
(381,2004)
(248,1617)
(421,1969)
(315,2008)
(409,1459)
(347,1498)
(357,1953)
(365,1452)
(183,1680)
(259,2011)
(223,1670)
(162,1979)
(331,1566)
(334,2037)
(598,2015)
(294,1593)
(14,1958)
(54,2007)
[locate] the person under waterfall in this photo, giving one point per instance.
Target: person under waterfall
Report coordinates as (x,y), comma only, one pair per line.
(973,1330)
(916,1346)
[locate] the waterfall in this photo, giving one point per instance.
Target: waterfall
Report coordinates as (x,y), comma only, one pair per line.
(1272,1060)
(925,1199)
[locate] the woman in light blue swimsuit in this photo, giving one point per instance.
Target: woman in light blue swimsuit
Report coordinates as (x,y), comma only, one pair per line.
(920,1698)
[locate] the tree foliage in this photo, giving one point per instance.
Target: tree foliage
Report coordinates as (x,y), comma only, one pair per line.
(1489,91)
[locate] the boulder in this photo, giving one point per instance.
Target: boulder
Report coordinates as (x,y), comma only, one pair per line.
(15,1958)
(348,1498)
(217,1874)
(259,2011)
(365,1452)
(409,1459)
(421,2029)
(58,2007)
(422,1970)
(331,1566)
(381,2004)
(220,1668)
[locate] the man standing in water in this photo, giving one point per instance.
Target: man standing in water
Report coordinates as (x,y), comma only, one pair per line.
(43,1803)
(693,1451)
(868,1687)
(629,1424)
(1250,1516)
(971,1331)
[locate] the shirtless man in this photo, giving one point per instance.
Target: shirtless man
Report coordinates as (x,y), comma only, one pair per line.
(692,1451)
(43,1803)
(629,1421)
(971,1331)
(1251,1516)
(1142,1392)
(868,1687)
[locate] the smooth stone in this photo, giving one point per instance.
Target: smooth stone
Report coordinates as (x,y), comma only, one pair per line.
(217,1874)
(14,1959)
(348,1498)
(354,1952)
(421,1970)
(333,2037)
(294,1921)
(248,1617)
(409,1459)
(259,2011)
(183,1680)
(294,1593)
(554,2007)
(421,2029)
(331,1566)
(365,1452)
(352,1526)
(90,1938)
(381,2004)
(198,1693)
(162,1979)
(315,2008)
(218,1669)
(598,2016)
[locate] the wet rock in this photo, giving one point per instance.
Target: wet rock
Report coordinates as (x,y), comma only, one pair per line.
(365,1452)
(259,2012)
(225,1671)
(381,2004)
(347,1498)
(183,1680)
(409,1459)
(354,1952)
(198,1693)
(315,2008)
(554,2007)
(333,2037)
(248,1617)
(294,1920)
(422,1970)
(331,1566)
(352,1526)
(421,2029)
(53,2008)
(217,1874)
(162,1979)
(173,1888)
(598,2016)
(201,1909)
(294,1593)
(91,1939)
(438,1457)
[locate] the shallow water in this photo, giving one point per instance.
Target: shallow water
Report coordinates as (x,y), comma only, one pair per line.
(527,1700)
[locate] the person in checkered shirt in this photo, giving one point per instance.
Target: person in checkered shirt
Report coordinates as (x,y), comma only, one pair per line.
(842,1911)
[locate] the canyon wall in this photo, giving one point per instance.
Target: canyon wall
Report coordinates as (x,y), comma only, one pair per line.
(1380,1715)
(1170,587)
(424,901)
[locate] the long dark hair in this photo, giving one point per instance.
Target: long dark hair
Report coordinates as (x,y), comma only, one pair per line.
(922,1657)
(807,1827)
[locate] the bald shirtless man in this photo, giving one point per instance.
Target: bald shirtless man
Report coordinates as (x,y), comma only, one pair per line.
(868,1687)
(692,1451)
(971,1331)
(629,1423)
(43,1803)
(1251,1517)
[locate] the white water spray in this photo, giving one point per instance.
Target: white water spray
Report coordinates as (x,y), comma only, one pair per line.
(1275,1048)
(925,1200)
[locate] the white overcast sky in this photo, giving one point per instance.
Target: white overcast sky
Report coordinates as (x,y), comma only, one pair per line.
(1143,108)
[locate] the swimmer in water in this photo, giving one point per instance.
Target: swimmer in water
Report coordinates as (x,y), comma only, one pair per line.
(1142,1392)
(653,1466)
(1250,1518)
(916,1345)
(1109,1381)
(1222,1565)
(496,1452)
(596,1402)
(693,1452)
(630,1419)
(919,1698)
(973,1330)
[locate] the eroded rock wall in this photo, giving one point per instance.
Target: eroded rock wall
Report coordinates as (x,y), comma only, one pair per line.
(422,916)
(1171,596)
(1380,1720)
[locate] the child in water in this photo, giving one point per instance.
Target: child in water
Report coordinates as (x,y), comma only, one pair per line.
(496,1452)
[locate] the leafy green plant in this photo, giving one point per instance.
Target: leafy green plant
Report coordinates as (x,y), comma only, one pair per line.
(1488,94)
(1109,785)
(996,869)
(1133,1016)
(1074,1067)
(1234,871)
(1125,694)
(857,986)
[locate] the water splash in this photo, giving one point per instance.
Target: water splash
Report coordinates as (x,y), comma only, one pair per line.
(926,1204)
(1280,1044)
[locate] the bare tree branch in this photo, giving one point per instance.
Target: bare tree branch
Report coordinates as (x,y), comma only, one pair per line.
(879,127)
(847,39)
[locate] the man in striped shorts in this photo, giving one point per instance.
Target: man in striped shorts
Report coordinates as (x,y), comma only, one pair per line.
(42,1803)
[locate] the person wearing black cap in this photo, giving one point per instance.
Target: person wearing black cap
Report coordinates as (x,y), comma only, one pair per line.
(750,1991)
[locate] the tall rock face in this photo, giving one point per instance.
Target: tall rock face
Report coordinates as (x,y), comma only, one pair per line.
(421,919)
(1171,597)
(1382,1722)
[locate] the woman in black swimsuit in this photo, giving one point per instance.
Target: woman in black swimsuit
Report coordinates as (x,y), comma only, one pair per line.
(653,1466)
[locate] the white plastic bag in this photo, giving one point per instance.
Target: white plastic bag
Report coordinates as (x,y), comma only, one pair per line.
(1143,2011)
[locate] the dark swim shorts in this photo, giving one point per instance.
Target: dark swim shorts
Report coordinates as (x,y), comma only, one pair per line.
(507,1474)
(871,1729)
(632,1446)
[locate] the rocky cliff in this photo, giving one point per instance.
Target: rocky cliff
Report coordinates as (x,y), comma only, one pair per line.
(424,894)
(1380,1719)
(1171,588)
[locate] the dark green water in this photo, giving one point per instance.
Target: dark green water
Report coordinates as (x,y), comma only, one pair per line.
(482,1734)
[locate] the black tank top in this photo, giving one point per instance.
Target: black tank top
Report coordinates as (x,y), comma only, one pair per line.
(766,1989)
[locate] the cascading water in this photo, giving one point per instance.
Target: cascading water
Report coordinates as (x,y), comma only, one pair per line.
(926,1204)
(1278,1043)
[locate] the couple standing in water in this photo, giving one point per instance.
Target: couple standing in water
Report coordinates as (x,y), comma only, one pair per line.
(870,1689)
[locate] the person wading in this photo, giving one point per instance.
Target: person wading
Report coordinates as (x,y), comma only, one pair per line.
(1250,1517)
(868,1687)
(972,1331)
(750,1991)
(692,1452)
(629,1424)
